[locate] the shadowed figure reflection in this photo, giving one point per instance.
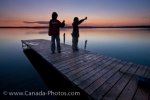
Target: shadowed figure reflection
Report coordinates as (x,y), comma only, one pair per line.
(52,78)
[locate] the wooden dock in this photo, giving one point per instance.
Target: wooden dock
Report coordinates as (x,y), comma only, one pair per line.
(99,76)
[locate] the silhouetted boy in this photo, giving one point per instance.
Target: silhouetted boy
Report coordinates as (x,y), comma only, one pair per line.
(75,32)
(54,31)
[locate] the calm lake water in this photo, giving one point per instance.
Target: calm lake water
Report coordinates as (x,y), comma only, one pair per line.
(16,71)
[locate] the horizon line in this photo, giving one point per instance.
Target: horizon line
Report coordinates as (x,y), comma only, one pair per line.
(119,26)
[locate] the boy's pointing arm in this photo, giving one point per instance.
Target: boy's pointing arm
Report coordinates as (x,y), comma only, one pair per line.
(82,20)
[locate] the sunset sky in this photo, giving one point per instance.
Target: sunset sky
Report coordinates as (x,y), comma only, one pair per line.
(99,12)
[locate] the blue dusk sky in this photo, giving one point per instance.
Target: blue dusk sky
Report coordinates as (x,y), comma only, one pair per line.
(99,12)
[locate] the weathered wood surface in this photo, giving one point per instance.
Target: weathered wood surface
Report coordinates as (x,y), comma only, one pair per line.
(101,77)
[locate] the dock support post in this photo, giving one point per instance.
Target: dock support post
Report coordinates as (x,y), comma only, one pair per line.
(85,44)
(64,37)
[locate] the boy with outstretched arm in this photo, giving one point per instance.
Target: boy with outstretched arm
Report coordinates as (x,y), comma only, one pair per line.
(75,32)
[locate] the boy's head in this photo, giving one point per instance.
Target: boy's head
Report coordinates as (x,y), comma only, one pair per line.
(76,19)
(54,15)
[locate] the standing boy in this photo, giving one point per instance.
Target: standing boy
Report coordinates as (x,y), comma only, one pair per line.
(54,32)
(75,32)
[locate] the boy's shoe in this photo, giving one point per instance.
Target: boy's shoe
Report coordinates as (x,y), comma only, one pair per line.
(59,51)
(53,52)
(77,49)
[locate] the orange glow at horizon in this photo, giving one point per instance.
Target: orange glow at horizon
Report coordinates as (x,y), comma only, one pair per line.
(69,20)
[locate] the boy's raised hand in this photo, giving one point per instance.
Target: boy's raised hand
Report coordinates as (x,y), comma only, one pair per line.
(85,18)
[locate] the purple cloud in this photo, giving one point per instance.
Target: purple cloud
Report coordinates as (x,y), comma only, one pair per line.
(37,22)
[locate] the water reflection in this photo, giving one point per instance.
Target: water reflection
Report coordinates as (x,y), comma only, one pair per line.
(128,44)
(131,44)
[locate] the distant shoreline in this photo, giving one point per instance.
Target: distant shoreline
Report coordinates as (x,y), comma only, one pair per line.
(80,27)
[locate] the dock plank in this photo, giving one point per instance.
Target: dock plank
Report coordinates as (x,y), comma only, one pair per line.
(98,74)
(88,75)
(92,87)
(100,92)
(89,69)
(72,62)
(79,67)
(120,85)
(132,86)
(78,62)
(143,93)
(85,66)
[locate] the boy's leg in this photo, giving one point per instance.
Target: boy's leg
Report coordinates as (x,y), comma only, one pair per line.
(76,43)
(53,44)
(73,43)
(58,43)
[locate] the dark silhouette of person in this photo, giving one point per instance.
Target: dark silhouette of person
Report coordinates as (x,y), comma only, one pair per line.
(75,32)
(54,32)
